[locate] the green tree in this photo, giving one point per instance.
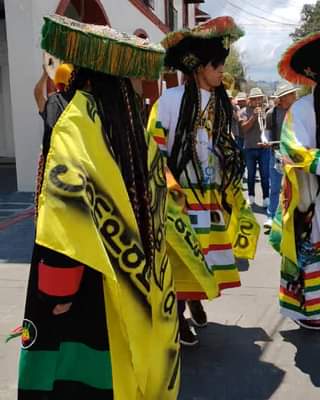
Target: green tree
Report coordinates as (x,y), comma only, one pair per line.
(310,21)
(234,64)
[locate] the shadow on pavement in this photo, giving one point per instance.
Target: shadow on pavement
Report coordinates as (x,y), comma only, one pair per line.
(258,209)
(308,351)
(227,366)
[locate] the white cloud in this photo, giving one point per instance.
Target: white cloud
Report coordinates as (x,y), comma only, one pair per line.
(264,42)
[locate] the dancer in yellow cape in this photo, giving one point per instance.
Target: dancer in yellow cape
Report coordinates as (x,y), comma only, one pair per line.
(192,127)
(296,228)
(101,315)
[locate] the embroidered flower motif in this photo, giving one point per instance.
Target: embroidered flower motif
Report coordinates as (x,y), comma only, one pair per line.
(190,61)
(29,334)
(311,74)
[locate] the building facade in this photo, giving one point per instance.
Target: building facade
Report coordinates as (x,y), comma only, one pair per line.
(21,60)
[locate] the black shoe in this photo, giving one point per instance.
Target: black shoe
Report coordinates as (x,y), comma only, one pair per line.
(188,337)
(198,315)
(309,324)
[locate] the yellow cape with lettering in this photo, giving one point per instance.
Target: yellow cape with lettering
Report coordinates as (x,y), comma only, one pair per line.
(85,213)
(243,227)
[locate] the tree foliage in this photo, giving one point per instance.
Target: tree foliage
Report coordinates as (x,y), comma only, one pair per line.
(234,64)
(310,21)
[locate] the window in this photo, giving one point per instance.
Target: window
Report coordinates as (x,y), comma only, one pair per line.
(91,12)
(185,14)
(171,15)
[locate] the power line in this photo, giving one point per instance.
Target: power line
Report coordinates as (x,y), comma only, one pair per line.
(266,11)
(259,16)
(262,25)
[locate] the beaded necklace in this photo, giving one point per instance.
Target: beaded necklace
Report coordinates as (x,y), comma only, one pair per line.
(201,123)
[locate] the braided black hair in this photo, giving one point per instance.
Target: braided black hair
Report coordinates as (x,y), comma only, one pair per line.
(124,132)
(224,145)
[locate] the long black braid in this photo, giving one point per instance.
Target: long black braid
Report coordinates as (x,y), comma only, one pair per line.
(182,150)
(231,160)
(124,131)
(225,148)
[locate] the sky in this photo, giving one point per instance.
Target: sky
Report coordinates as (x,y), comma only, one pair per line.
(267,26)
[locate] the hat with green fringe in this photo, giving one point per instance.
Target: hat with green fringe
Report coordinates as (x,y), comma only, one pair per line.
(187,49)
(300,64)
(101,48)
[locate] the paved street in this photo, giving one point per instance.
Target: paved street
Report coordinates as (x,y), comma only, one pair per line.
(248,351)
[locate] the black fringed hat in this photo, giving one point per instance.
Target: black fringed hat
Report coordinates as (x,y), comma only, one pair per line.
(187,49)
(300,64)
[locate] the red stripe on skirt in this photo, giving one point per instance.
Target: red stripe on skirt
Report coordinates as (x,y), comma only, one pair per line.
(229,285)
(159,140)
(191,296)
(216,247)
(203,207)
(202,295)
(312,302)
(311,275)
(289,294)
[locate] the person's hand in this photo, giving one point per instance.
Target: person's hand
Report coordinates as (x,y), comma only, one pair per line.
(257,111)
(180,198)
(264,145)
(61,308)
(286,160)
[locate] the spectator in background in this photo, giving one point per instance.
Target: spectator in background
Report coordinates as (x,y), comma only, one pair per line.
(286,93)
(252,120)
(235,126)
(242,100)
(40,91)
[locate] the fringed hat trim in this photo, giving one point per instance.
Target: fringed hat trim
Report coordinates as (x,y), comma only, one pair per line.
(285,65)
(223,27)
(101,48)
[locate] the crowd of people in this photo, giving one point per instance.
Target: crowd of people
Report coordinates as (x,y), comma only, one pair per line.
(135,222)
(257,125)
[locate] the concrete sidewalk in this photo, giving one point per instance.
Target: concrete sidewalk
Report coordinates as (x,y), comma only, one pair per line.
(13,281)
(248,351)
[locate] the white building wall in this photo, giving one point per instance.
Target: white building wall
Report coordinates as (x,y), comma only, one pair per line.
(178,5)
(6,137)
(23,24)
(192,15)
(125,17)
